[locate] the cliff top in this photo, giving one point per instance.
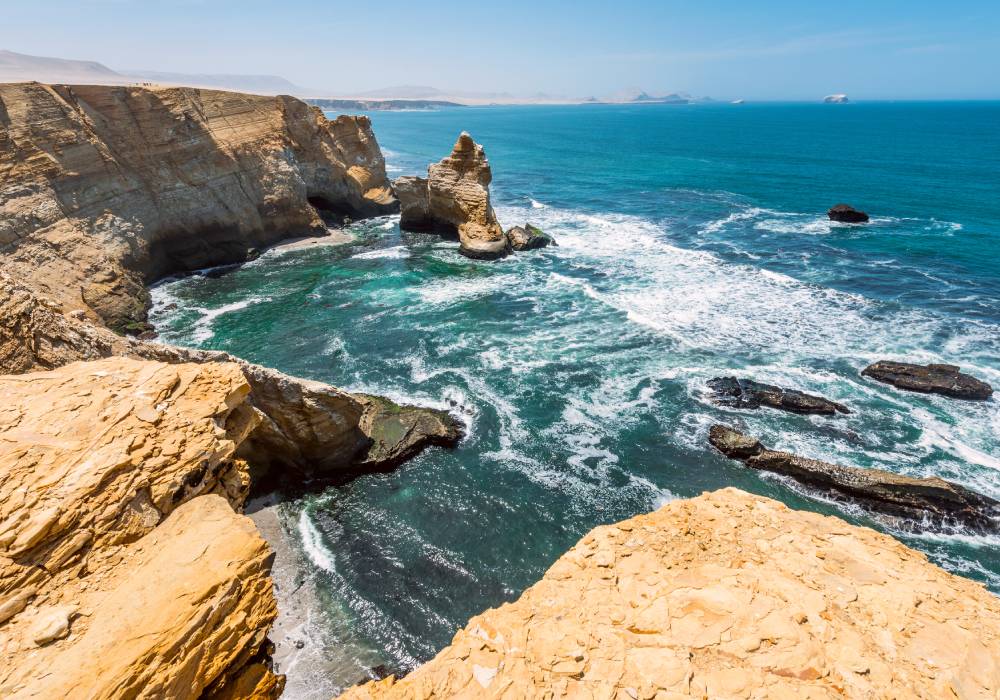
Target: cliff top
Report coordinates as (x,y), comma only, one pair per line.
(727,595)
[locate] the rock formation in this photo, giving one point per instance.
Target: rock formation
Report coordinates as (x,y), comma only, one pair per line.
(454,199)
(846,214)
(124,568)
(528,237)
(727,595)
(917,500)
(746,393)
(946,380)
(104,189)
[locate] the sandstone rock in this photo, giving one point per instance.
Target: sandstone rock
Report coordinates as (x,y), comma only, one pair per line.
(918,500)
(454,199)
(946,380)
(746,393)
(106,188)
(528,237)
(722,596)
(846,214)
(120,551)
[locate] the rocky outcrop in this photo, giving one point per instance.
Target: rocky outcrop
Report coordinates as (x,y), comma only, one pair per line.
(310,426)
(727,595)
(746,393)
(919,501)
(454,199)
(945,380)
(120,549)
(847,214)
(104,189)
(528,237)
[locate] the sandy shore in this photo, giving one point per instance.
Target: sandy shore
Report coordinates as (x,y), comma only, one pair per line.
(333,237)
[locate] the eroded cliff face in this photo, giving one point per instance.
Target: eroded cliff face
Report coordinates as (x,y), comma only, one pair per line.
(454,198)
(727,595)
(103,189)
(125,570)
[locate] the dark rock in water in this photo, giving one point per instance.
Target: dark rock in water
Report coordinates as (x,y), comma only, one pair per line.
(946,380)
(529,237)
(917,500)
(847,214)
(746,393)
(398,433)
(733,443)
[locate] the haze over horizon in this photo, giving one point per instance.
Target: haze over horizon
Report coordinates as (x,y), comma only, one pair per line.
(777,50)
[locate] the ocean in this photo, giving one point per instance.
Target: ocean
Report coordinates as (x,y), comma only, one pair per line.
(693,243)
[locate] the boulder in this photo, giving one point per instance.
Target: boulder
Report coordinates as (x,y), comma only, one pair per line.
(746,393)
(919,501)
(528,237)
(846,214)
(946,380)
(398,433)
(454,199)
(727,595)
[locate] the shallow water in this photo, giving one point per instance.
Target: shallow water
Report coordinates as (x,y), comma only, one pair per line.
(693,243)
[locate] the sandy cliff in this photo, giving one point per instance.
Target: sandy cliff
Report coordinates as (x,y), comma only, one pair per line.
(103,189)
(124,569)
(726,596)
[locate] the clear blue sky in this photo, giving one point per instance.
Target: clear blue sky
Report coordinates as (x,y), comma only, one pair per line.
(760,50)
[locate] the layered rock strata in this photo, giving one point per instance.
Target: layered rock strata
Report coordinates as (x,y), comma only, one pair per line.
(727,595)
(748,394)
(104,189)
(124,567)
(454,199)
(946,380)
(918,500)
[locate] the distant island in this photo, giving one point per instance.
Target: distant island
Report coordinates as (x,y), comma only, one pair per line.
(838,99)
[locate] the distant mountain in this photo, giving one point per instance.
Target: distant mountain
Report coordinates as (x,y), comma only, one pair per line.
(19,67)
(378,105)
(260,84)
(638,95)
(404,92)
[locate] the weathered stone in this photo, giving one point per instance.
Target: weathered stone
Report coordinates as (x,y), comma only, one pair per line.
(398,433)
(454,199)
(918,500)
(722,596)
(946,380)
(528,237)
(846,214)
(746,393)
(120,551)
(106,188)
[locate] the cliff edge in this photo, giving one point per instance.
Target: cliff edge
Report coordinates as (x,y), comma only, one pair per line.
(727,595)
(104,189)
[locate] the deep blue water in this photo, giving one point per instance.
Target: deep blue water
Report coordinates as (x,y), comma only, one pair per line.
(693,243)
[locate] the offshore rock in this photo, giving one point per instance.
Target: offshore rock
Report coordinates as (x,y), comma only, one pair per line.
(120,549)
(104,189)
(454,199)
(846,214)
(746,393)
(398,433)
(917,500)
(727,595)
(946,380)
(529,237)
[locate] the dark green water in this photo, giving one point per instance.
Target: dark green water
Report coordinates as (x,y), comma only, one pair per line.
(693,243)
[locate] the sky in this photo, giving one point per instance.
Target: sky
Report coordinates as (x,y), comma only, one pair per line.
(767,50)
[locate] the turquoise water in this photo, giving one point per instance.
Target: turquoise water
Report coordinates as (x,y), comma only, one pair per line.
(693,243)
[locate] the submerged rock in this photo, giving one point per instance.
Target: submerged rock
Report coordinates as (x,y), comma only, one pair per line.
(727,595)
(454,199)
(918,500)
(529,237)
(946,380)
(746,393)
(847,214)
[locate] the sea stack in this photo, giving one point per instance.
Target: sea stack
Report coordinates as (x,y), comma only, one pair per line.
(454,199)
(847,214)
(529,237)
